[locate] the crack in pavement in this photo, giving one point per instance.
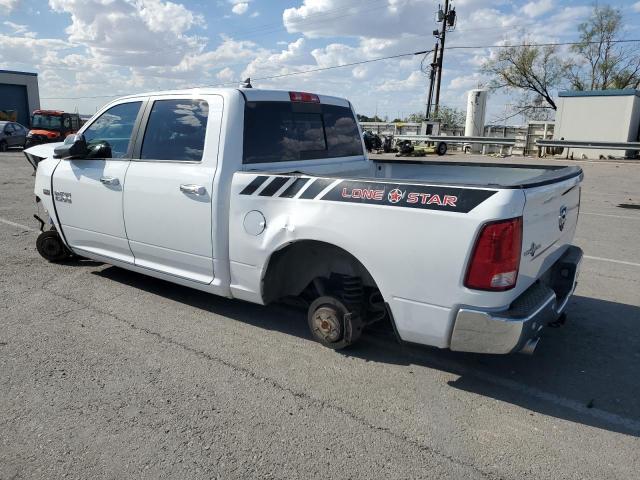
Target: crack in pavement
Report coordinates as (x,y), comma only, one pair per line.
(277,385)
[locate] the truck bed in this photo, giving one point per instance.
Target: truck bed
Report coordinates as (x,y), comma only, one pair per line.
(470,174)
(498,175)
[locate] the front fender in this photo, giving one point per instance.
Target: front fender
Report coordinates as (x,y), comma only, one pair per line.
(43,189)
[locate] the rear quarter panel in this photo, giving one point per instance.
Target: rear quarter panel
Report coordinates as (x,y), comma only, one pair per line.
(417,257)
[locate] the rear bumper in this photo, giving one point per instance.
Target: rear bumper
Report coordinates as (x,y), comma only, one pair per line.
(518,326)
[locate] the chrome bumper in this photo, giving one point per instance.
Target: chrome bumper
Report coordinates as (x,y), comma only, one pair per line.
(518,326)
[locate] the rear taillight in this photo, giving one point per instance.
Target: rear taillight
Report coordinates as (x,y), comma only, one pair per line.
(496,256)
(304,97)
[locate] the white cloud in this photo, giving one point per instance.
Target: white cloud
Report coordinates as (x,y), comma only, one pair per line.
(414,79)
(16,27)
(225,75)
(239,7)
(266,63)
(128,46)
(327,18)
(236,51)
(161,16)
(466,82)
(535,9)
(360,72)
(131,33)
(636,6)
(30,51)
(7,6)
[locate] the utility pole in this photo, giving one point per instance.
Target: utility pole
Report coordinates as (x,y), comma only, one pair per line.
(432,76)
(448,19)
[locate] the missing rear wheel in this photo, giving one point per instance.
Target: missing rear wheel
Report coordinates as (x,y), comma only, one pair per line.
(332,323)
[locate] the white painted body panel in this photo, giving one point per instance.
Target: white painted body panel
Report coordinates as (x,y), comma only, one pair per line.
(417,257)
(169,230)
(93,221)
(415,260)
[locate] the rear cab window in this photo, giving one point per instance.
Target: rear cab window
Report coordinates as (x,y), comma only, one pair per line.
(281,131)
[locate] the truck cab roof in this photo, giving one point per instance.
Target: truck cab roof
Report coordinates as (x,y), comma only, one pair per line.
(250,94)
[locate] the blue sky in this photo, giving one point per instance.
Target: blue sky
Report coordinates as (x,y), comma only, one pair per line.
(92,50)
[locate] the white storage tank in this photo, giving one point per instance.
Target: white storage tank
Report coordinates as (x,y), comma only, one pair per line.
(476,113)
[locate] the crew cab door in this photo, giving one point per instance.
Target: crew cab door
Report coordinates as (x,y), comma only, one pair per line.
(168,190)
(88,192)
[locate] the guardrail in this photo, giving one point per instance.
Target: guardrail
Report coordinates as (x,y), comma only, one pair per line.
(509,142)
(501,141)
(627,146)
(589,144)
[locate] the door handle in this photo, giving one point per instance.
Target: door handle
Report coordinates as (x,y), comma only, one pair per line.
(193,189)
(112,181)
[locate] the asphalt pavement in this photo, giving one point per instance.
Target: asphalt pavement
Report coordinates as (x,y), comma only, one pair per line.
(106,373)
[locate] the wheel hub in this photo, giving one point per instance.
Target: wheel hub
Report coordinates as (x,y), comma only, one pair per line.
(52,247)
(326,323)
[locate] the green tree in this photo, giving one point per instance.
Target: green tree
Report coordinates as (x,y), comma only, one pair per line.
(415,117)
(534,71)
(364,118)
(602,62)
(450,117)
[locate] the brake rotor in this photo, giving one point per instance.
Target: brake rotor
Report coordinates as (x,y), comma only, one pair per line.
(326,323)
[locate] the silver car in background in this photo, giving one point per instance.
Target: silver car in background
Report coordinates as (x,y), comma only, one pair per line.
(12,134)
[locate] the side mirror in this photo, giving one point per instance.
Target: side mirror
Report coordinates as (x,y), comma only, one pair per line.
(74,146)
(99,150)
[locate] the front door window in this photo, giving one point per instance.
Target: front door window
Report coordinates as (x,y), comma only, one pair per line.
(114,128)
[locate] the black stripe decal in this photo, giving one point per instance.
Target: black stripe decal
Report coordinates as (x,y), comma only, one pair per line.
(316,187)
(427,197)
(254,185)
(274,186)
(294,188)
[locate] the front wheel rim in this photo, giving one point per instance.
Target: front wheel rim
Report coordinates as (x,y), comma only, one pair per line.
(326,323)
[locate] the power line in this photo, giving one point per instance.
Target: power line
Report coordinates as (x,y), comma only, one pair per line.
(311,70)
(302,72)
(351,64)
(551,44)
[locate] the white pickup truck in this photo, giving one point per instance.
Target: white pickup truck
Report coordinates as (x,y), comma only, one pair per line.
(265,195)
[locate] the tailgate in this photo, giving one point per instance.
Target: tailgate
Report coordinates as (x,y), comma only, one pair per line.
(549,223)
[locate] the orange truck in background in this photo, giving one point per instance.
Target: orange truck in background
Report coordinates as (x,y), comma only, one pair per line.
(51,126)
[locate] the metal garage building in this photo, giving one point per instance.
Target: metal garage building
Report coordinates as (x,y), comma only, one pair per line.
(19,92)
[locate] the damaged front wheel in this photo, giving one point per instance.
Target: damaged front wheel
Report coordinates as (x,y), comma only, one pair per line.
(51,247)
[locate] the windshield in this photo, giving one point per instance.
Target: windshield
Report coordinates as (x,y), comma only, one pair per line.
(47,122)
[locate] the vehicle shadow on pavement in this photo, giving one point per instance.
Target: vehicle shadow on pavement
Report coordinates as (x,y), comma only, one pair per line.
(587,371)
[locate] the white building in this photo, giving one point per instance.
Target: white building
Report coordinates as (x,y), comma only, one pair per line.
(600,115)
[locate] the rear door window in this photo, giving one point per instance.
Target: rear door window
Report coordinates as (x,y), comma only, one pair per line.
(289,131)
(176,130)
